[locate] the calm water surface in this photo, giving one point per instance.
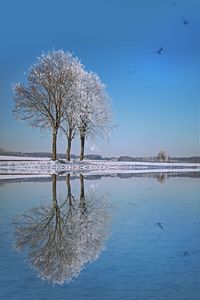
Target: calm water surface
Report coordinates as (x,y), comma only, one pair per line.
(109,238)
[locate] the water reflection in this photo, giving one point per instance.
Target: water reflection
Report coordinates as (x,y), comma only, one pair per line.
(62,237)
(161,177)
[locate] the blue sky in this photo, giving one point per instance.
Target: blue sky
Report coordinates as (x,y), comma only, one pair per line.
(155,98)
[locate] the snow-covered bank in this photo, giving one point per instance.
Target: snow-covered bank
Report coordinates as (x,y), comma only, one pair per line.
(7,157)
(41,166)
(23,176)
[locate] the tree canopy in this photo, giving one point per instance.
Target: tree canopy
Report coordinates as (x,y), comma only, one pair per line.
(60,93)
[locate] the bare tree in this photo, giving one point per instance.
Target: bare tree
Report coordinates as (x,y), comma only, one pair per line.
(50,86)
(94,111)
(162,156)
(63,237)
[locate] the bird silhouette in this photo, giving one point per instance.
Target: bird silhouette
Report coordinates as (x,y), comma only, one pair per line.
(131,72)
(185,253)
(159,51)
(185,22)
(160,225)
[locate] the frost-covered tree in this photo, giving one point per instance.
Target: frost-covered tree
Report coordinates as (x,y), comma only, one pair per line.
(62,237)
(88,113)
(51,82)
(94,112)
(69,124)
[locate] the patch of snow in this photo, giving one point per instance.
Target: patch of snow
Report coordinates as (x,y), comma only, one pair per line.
(143,171)
(132,163)
(6,157)
(20,176)
(48,167)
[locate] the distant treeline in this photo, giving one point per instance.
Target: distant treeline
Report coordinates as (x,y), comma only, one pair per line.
(45,154)
(191,159)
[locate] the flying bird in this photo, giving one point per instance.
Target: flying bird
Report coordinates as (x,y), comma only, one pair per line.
(131,72)
(185,22)
(159,50)
(160,225)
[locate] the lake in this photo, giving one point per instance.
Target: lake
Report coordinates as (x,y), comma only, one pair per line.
(101,237)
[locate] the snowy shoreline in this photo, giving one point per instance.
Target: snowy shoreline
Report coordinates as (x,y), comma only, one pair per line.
(16,167)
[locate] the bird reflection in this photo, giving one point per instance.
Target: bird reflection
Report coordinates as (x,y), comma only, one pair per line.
(185,22)
(159,51)
(160,225)
(63,237)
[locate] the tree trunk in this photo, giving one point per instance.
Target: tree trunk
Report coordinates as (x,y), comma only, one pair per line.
(82,147)
(83,207)
(54,196)
(69,193)
(68,184)
(55,203)
(69,144)
(54,145)
(82,192)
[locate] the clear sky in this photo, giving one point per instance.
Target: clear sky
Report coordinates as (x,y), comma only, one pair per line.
(155,97)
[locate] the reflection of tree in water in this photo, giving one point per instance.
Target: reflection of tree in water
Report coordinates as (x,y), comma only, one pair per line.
(161,177)
(62,238)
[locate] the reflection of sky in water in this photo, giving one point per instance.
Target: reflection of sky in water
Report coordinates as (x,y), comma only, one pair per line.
(141,260)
